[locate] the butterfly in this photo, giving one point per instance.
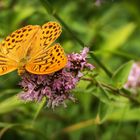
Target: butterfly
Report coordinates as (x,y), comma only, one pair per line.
(32,49)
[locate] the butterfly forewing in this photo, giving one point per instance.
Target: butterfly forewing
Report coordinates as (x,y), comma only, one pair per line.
(14,47)
(49,61)
(16,44)
(48,33)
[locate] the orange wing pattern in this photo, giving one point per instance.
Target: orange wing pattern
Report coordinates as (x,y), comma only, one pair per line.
(30,47)
(13,48)
(16,44)
(6,65)
(48,33)
(48,61)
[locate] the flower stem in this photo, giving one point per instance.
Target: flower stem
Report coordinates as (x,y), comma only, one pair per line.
(52,12)
(41,105)
(113,90)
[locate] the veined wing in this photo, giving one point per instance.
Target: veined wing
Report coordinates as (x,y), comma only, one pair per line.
(48,61)
(15,46)
(7,65)
(47,34)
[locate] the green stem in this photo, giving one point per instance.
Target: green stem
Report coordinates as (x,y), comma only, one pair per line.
(125,55)
(41,105)
(119,53)
(107,71)
(113,90)
(69,30)
(47,6)
(121,93)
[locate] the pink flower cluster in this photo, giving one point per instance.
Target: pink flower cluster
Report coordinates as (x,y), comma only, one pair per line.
(134,77)
(56,87)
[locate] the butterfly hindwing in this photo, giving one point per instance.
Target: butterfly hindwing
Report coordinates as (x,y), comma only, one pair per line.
(49,61)
(6,65)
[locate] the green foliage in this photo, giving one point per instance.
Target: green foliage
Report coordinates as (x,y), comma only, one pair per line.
(120,76)
(104,110)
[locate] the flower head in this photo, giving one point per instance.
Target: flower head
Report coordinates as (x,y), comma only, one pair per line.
(98,2)
(57,87)
(134,77)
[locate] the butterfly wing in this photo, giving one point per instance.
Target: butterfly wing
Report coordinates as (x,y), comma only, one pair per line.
(43,58)
(16,44)
(6,65)
(48,33)
(50,60)
(14,47)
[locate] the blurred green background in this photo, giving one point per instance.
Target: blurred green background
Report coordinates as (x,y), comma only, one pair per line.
(112,30)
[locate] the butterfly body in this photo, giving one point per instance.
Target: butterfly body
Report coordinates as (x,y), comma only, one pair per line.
(30,49)
(21,66)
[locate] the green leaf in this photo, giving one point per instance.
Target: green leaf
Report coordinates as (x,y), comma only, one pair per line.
(119,36)
(101,94)
(126,112)
(103,111)
(19,126)
(47,6)
(20,16)
(10,104)
(120,76)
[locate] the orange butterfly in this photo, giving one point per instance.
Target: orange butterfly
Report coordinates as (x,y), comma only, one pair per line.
(29,49)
